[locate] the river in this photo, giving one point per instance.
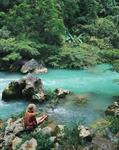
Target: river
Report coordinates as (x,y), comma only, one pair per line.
(99,83)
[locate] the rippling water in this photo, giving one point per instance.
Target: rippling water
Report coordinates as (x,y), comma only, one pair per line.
(98,83)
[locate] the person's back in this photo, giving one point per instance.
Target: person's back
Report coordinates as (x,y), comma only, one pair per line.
(30,120)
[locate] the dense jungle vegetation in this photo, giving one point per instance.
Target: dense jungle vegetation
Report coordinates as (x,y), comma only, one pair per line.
(60,33)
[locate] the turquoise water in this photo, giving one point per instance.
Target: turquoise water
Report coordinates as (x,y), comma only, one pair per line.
(97,83)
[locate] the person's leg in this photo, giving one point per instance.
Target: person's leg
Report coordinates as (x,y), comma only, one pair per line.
(41,119)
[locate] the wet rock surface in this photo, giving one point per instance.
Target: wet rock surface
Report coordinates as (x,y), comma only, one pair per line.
(61,93)
(29,87)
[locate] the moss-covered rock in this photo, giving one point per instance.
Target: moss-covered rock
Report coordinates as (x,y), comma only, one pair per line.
(29,88)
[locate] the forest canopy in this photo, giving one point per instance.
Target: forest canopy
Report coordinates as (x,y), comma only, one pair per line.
(85,32)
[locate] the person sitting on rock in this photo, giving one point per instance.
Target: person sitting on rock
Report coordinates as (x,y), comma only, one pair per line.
(30,121)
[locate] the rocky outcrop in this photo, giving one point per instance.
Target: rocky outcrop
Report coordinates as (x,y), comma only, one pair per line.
(29,87)
(29,145)
(61,93)
(33,66)
(113,109)
(102,144)
(85,133)
(17,141)
(13,129)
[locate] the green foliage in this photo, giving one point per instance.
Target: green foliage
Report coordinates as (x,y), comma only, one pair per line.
(102,43)
(101,28)
(41,21)
(71,139)
(115,40)
(115,64)
(54,32)
(43,141)
(76,57)
(49,95)
(19,115)
(13,50)
(112,55)
(3,127)
(114,124)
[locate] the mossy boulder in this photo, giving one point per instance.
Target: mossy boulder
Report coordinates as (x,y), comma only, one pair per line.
(29,88)
(13,91)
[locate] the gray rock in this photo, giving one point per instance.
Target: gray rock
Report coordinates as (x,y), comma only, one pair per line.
(14,127)
(33,66)
(61,93)
(29,145)
(47,131)
(102,144)
(8,139)
(53,138)
(59,130)
(85,133)
(29,87)
(16,142)
(113,109)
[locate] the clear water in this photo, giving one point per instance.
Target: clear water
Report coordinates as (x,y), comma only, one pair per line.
(97,83)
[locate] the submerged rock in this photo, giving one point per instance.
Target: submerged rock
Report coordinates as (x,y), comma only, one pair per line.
(61,93)
(29,87)
(33,66)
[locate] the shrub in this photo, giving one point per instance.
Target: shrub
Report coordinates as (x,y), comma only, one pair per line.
(14,50)
(43,141)
(71,140)
(50,95)
(101,28)
(115,64)
(115,40)
(114,124)
(79,57)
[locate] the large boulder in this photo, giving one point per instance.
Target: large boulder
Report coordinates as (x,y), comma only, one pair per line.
(12,91)
(13,129)
(33,66)
(113,109)
(29,87)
